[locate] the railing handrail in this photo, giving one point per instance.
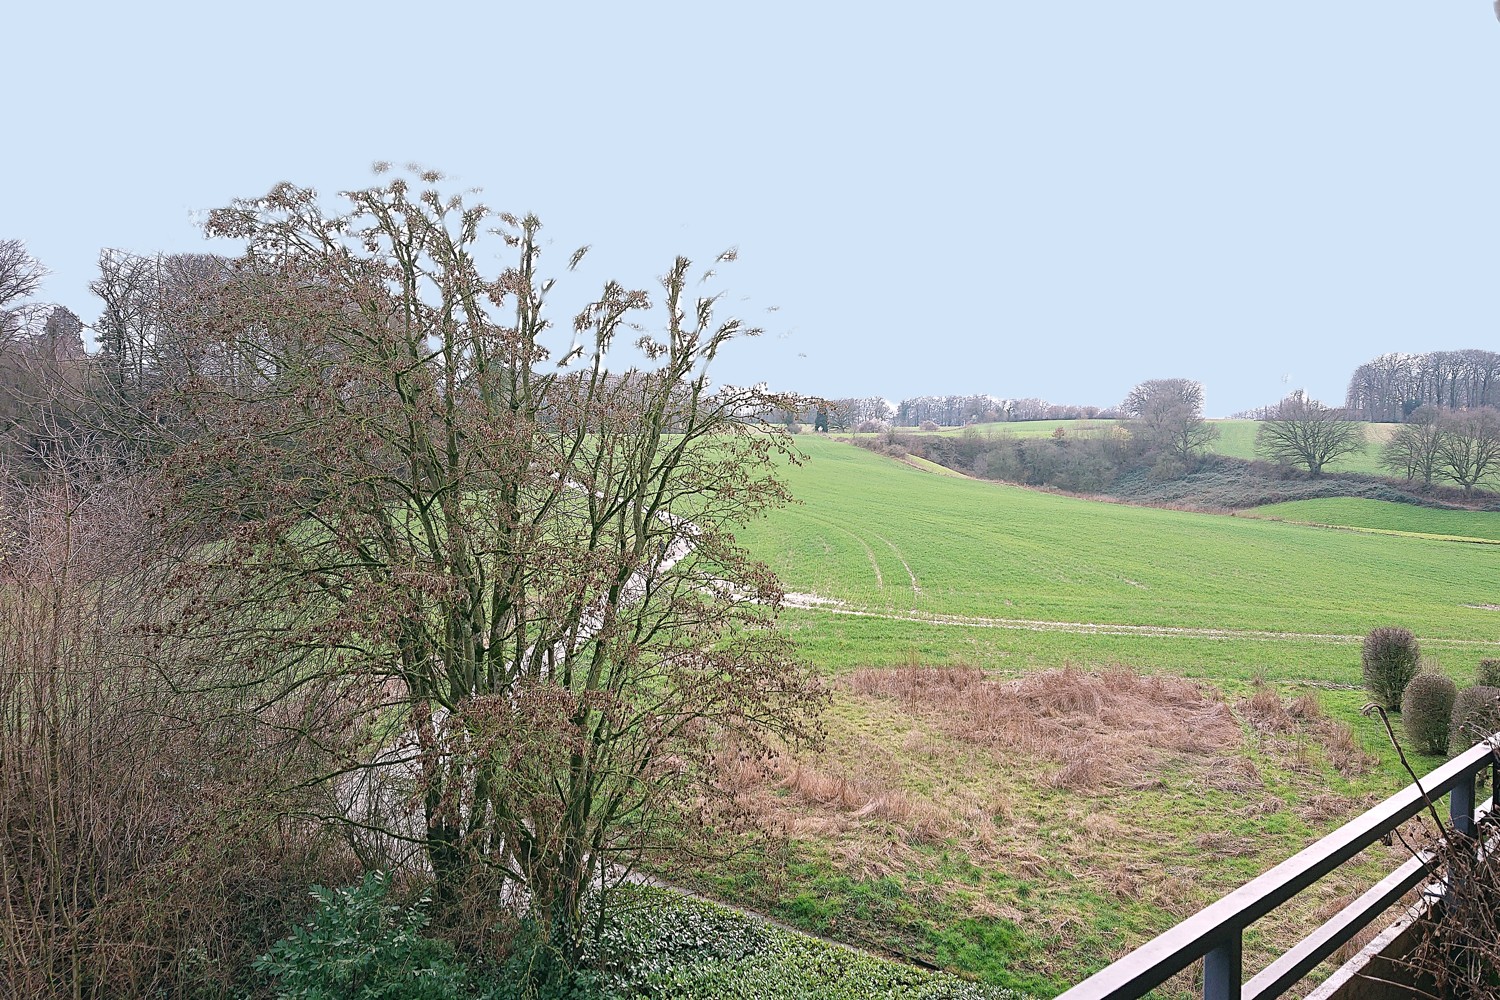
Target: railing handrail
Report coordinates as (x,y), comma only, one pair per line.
(1215,931)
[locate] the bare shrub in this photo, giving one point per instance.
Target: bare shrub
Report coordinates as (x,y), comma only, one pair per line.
(1476,716)
(1427,711)
(1488,674)
(1389,659)
(143,848)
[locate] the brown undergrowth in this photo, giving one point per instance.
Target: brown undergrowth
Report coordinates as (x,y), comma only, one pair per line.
(1092,808)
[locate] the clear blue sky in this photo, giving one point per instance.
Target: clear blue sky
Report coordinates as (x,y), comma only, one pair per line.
(1023,197)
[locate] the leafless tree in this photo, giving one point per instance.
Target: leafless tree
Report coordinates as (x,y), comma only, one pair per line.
(1166,416)
(146,315)
(1305,432)
(1469,452)
(20,278)
(507,567)
(1414,450)
(1391,386)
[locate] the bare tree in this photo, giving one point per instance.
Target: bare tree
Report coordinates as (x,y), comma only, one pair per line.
(510,568)
(146,315)
(20,278)
(1167,416)
(1470,448)
(1305,432)
(1414,450)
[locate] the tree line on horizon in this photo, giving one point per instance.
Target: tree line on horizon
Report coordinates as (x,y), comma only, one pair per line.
(1161,434)
(1387,389)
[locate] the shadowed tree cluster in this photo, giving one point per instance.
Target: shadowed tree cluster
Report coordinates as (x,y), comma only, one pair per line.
(1388,388)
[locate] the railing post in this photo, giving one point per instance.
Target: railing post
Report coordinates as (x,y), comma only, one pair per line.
(1221,970)
(1494,775)
(1461,806)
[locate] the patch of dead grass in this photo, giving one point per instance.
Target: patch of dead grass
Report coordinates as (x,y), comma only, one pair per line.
(1058,778)
(1107,730)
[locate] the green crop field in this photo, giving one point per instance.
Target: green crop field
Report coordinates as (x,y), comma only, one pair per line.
(879,536)
(1383,516)
(1028,850)
(1237,440)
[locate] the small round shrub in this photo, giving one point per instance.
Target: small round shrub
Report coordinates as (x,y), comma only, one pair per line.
(1488,674)
(1427,711)
(1390,659)
(1476,716)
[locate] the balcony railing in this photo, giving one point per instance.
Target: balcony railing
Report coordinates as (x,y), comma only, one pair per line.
(1215,933)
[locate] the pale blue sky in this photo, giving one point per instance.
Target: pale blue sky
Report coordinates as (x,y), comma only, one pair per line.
(1037,198)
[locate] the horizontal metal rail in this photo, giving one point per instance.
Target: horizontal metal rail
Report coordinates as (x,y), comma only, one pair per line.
(1215,933)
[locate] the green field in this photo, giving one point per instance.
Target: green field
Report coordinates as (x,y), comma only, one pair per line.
(879,536)
(936,838)
(1236,438)
(1392,518)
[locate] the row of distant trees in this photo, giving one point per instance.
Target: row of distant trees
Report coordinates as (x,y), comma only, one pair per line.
(1162,429)
(871,412)
(1387,389)
(1391,387)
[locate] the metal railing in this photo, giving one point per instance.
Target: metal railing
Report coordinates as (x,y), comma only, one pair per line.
(1215,933)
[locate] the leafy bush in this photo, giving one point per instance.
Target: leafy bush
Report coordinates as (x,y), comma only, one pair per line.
(360,947)
(1427,711)
(1390,659)
(1488,673)
(1476,715)
(665,945)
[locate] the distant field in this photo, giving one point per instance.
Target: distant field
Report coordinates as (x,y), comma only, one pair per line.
(929,828)
(1396,518)
(880,536)
(1236,438)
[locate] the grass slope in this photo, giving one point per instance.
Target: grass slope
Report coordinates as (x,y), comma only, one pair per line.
(1394,518)
(882,537)
(950,842)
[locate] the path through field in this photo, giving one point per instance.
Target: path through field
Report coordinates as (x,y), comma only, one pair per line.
(816,603)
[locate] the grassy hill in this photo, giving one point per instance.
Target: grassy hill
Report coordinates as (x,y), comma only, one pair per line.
(880,536)
(1058,725)
(1389,518)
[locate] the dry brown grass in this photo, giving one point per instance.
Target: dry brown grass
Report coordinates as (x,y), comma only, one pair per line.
(1302,717)
(1105,791)
(1108,730)
(1344,751)
(1356,944)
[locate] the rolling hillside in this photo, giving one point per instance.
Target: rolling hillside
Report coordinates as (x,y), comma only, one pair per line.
(1057,725)
(879,536)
